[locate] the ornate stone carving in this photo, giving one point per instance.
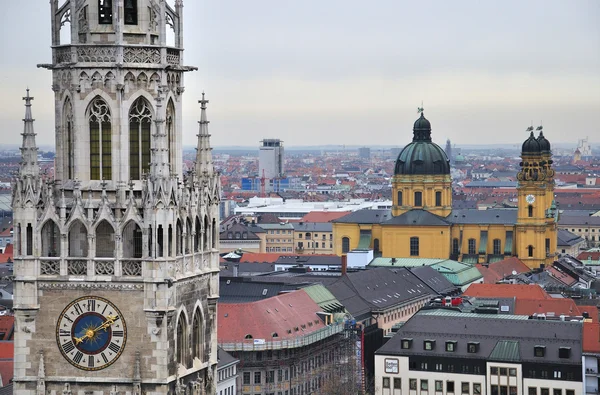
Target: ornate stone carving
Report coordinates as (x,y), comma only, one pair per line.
(96,54)
(105,268)
(172,56)
(92,286)
(62,55)
(141,55)
(77,268)
(132,268)
(50,268)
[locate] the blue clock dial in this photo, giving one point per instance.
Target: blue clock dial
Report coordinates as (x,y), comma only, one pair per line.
(91,333)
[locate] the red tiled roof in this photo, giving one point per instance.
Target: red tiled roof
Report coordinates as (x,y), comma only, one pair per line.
(498,270)
(584,256)
(533,291)
(7,350)
(7,255)
(591,337)
(7,232)
(263,318)
(7,323)
(561,276)
(558,306)
(324,216)
(6,371)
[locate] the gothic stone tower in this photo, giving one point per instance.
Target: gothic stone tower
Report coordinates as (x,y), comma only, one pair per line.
(116,259)
(536,236)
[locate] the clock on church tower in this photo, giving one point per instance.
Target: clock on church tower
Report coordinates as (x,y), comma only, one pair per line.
(116,256)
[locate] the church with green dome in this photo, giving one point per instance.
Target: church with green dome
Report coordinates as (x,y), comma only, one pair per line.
(422,223)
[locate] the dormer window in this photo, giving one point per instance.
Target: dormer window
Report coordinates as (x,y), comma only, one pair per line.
(428,345)
(105,12)
(451,346)
(539,351)
(230,235)
(564,352)
(406,344)
(473,347)
(131,12)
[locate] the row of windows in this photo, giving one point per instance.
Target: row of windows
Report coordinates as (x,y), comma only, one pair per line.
(282,232)
(418,199)
(100,125)
(279,240)
(413,385)
(105,12)
(542,391)
(227,391)
(315,236)
(226,373)
(314,245)
(279,249)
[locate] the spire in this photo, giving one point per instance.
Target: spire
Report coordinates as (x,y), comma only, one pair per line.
(203,151)
(29,163)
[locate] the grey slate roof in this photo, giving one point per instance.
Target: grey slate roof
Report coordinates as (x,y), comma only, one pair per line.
(236,290)
(489,330)
(500,216)
(250,235)
(329,260)
(378,289)
(566,238)
(491,184)
(366,216)
(417,217)
(577,220)
(313,227)
(224,358)
(434,279)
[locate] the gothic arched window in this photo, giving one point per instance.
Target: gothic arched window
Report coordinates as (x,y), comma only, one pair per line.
(78,240)
(50,239)
(140,122)
(197,236)
(69,145)
(181,340)
(132,240)
(198,336)
(188,241)
(105,12)
(105,240)
(206,234)
(130,8)
(345,245)
(214,233)
(100,140)
(170,123)
(178,238)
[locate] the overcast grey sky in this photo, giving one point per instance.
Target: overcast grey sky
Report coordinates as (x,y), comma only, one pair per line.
(317,72)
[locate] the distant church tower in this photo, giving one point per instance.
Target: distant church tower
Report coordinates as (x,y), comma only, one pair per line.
(536,228)
(116,259)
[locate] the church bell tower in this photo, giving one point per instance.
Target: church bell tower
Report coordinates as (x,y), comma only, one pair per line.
(116,257)
(536,226)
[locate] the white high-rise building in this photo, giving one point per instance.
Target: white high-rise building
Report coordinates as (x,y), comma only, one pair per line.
(116,258)
(270,159)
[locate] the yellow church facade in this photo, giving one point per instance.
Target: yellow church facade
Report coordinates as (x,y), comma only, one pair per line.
(422,223)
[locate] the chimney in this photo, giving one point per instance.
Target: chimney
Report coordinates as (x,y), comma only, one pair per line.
(236,268)
(344,264)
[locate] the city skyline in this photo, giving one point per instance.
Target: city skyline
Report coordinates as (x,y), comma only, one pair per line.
(336,73)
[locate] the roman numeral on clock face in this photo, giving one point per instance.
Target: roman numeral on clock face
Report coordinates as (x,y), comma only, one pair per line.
(104,358)
(78,308)
(64,332)
(68,347)
(91,361)
(78,357)
(117,333)
(113,347)
(91,305)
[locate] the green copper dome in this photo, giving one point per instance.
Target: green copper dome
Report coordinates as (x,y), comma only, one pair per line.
(422,156)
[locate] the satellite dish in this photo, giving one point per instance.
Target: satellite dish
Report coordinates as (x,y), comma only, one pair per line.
(514,272)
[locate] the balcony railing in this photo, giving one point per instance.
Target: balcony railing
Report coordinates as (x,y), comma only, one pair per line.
(138,54)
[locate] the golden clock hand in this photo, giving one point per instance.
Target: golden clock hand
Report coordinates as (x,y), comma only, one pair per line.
(91,332)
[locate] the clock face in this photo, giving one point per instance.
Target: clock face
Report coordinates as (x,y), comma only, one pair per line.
(91,333)
(530,199)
